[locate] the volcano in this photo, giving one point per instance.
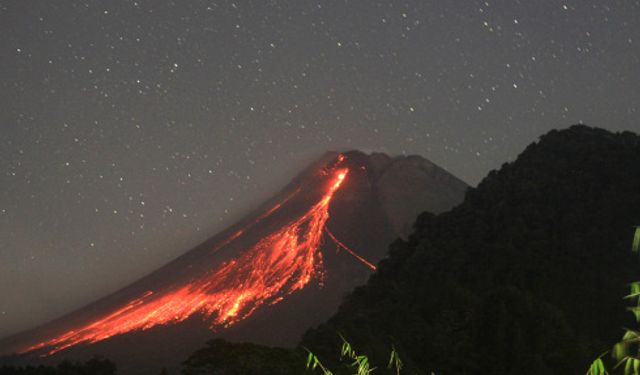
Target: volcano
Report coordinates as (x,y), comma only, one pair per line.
(282,269)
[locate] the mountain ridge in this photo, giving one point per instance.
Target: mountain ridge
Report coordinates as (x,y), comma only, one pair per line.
(355,216)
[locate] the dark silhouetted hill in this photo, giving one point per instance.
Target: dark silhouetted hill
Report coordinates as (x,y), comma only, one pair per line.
(526,276)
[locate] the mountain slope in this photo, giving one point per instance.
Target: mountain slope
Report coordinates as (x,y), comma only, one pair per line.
(524,277)
(266,279)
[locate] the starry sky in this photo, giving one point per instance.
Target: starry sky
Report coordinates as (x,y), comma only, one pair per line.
(133,130)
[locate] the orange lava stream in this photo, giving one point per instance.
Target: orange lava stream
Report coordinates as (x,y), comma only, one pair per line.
(278,265)
(349,250)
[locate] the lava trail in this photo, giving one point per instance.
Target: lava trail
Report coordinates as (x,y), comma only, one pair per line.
(349,250)
(279,264)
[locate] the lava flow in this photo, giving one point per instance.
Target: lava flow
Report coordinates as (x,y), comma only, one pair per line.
(279,264)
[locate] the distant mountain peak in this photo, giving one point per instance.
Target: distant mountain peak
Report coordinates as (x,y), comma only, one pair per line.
(269,277)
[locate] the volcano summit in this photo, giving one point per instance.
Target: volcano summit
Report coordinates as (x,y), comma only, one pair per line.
(266,279)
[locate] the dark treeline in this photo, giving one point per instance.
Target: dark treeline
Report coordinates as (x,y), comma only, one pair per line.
(224,358)
(94,366)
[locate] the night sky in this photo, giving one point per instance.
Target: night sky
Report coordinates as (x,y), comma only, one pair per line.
(133,130)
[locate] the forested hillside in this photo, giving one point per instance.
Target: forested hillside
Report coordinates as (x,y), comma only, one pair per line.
(525,277)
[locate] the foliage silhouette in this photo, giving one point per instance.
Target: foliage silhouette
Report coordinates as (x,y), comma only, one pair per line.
(627,351)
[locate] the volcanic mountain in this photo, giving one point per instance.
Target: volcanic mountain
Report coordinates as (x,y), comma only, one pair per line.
(266,279)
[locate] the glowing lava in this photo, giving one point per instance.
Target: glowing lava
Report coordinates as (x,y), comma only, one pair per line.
(349,250)
(279,264)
